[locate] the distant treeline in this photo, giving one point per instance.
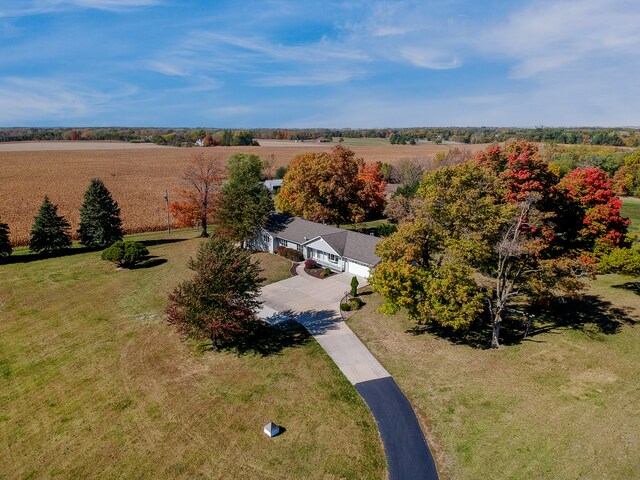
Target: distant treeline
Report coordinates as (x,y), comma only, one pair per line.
(466,135)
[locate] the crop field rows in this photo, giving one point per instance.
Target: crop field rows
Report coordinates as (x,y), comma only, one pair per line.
(137,177)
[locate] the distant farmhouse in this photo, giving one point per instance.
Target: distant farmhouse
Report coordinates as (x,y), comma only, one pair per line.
(335,248)
(273,185)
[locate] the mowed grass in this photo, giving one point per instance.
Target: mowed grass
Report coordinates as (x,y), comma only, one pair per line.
(562,404)
(95,384)
(631,209)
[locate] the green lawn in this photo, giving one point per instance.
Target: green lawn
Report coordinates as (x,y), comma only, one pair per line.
(95,384)
(631,209)
(561,404)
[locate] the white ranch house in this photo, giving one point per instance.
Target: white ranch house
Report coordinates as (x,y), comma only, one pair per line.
(340,250)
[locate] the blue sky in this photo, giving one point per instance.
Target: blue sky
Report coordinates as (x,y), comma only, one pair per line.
(358,64)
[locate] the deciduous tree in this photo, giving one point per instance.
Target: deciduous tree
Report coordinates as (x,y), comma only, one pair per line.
(625,261)
(331,188)
(473,219)
(202,179)
(593,211)
(50,231)
(100,224)
(222,298)
(627,178)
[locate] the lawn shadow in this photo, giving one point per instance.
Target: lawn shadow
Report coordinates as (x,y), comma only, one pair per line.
(265,339)
(588,313)
(33,257)
(631,286)
(478,335)
(150,262)
(161,241)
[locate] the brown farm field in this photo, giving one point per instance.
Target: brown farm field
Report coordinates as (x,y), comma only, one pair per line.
(137,176)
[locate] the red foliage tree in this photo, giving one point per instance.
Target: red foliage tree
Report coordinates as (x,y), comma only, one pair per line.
(589,191)
(521,168)
(372,193)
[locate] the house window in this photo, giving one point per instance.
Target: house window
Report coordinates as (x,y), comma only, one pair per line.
(300,248)
(333,258)
(266,238)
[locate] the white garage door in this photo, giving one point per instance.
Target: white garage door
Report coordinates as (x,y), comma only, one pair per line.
(358,268)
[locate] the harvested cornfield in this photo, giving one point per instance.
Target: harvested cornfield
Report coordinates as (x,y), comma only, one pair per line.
(136,175)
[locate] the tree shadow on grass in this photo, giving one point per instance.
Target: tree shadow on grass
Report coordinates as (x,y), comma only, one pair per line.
(150,262)
(588,313)
(265,339)
(161,241)
(631,286)
(33,257)
(282,330)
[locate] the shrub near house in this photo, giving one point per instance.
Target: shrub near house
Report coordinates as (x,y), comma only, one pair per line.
(290,253)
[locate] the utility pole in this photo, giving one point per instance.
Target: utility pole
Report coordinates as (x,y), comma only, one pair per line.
(166,199)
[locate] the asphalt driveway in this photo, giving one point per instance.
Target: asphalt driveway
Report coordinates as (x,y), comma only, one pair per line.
(314,303)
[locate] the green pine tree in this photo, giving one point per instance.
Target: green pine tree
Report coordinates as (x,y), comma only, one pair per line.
(245,203)
(50,231)
(100,224)
(5,245)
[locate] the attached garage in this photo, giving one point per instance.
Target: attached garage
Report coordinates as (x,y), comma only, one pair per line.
(357,268)
(338,249)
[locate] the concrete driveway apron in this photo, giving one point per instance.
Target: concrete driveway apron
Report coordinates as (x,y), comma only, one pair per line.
(314,303)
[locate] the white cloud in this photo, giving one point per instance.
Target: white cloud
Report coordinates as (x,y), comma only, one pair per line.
(427,58)
(309,79)
(546,36)
(26,100)
(38,7)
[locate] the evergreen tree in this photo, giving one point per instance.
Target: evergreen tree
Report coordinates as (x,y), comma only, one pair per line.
(50,231)
(222,299)
(245,203)
(5,245)
(100,224)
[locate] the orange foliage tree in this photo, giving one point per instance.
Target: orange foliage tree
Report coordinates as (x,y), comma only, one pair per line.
(332,187)
(202,180)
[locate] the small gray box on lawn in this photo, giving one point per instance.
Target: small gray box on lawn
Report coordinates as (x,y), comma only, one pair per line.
(271,429)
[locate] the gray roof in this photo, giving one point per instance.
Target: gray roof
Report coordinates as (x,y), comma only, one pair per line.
(296,229)
(271,184)
(353,245)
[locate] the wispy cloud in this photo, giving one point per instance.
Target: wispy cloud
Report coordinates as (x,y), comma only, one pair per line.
(310,79)
(551,35)
(29,100)
(427,58)
(39,7)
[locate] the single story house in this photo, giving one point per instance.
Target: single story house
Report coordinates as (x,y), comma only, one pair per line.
(335,248)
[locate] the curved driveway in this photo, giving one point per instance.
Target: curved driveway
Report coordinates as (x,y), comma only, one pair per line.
(313,303)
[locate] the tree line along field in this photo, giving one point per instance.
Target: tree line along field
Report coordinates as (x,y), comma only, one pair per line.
(137,177)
